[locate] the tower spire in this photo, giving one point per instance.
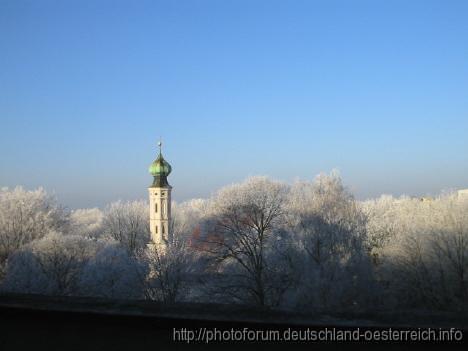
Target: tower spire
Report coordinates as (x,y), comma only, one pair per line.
(160,202)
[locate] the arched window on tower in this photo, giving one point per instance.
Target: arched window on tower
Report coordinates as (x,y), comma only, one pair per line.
(156,208)
(156,229)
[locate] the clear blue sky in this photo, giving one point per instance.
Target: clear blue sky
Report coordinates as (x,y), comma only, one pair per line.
(376,89)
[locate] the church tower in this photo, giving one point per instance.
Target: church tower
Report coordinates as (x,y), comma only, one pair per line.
(160,203)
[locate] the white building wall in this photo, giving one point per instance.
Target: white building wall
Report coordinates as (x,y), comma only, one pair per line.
(160,215)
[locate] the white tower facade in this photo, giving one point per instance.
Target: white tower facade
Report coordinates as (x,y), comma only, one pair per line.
(160,203)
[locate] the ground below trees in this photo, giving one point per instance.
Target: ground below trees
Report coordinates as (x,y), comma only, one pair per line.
(64,323)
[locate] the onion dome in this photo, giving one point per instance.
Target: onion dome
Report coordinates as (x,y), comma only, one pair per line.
(160,169)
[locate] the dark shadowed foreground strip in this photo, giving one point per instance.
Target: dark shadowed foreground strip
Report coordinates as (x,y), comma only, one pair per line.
(30,322)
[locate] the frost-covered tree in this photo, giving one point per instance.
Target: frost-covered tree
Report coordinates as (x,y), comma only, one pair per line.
(128,223)
(248,217)
(449,246)
(57,262)
(87,222)
(186,216)
(24,274)
(423,260)
(382,224)
(169,272)
(329,232)
(26,216)
(112,273)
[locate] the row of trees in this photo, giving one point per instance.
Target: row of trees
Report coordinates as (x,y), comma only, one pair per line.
(309,245)
(420,249)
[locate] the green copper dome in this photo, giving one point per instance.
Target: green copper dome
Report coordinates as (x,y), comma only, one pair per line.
(160,167)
